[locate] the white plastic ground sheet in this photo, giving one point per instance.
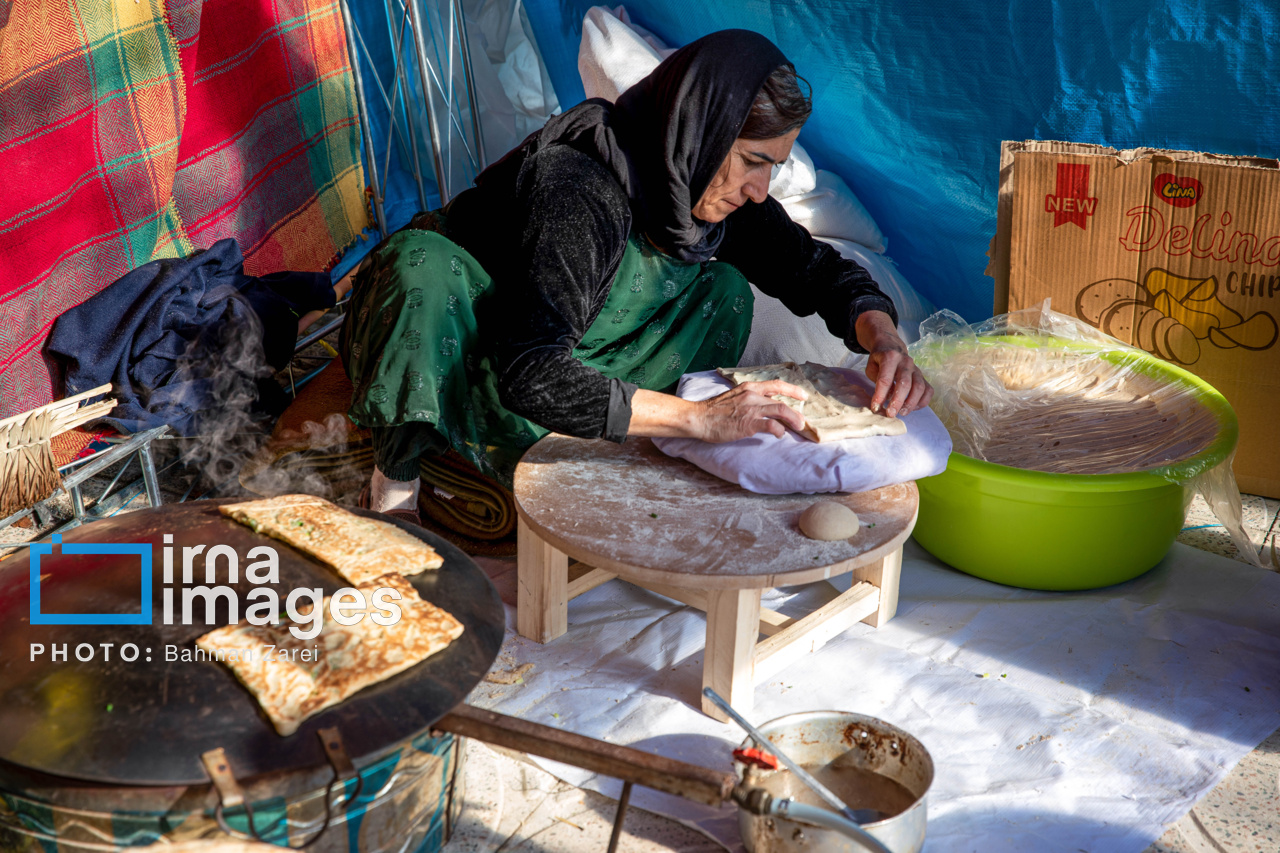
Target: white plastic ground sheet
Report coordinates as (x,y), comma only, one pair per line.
(1080,721)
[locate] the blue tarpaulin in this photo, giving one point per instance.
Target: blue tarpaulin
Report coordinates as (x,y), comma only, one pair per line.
(912,99)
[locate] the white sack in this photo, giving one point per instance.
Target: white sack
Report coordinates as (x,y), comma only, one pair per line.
(512,87)
(912,307)
(778,335)
(613,57)
(831,209)
(795,177)
(615,54)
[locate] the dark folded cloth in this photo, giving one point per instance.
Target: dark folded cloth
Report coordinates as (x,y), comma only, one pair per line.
(182,337)
(458,496)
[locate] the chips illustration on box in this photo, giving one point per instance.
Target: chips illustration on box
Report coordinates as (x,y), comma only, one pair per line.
(1172,316)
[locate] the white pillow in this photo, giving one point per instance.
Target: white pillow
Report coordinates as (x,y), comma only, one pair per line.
(615,54)
(832,210)
(780,466)
(911,305)
(778,335)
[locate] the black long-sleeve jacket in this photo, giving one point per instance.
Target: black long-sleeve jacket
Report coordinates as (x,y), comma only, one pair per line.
(553,243)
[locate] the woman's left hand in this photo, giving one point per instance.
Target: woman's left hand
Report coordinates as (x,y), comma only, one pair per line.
(900,386)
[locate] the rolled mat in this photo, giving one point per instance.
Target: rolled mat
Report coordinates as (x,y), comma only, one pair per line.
(315,448)
(456,495)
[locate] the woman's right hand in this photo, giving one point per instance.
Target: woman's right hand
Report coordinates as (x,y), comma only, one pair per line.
(747,409)
(737,413)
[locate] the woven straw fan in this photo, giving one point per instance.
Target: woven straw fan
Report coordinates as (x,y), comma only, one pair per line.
(28,473)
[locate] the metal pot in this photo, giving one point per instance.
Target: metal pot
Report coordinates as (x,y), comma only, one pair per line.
(818,739)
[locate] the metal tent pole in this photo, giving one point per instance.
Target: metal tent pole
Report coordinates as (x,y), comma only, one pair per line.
(420,46)
(362,107)
(397,57)
(481,158)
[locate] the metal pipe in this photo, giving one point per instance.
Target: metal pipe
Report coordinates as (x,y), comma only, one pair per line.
(386,100)
(791,810)
(700,784)
(420,46)
(618,818)
(454,122)
(128,463)
(362,107)
(467,71)
(114,455)
(447,90)
(319,333)
(62,469)
(105,507)
(149,478)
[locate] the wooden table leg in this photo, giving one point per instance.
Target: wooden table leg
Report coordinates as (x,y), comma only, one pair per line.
(884,575)
(542,601)
(728,663)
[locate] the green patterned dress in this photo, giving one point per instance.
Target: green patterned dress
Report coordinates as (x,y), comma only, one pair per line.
(414,350)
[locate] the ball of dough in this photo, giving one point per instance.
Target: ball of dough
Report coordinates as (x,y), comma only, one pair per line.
(829,521)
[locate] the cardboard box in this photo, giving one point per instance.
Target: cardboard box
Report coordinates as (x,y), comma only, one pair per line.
(1175,252)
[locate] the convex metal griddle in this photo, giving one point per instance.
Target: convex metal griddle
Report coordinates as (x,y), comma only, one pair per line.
(147,722)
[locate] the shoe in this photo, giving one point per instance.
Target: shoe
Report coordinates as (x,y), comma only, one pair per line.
(405,515)
(399,514)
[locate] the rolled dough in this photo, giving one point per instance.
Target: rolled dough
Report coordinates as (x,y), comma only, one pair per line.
(829,521)
(836,409)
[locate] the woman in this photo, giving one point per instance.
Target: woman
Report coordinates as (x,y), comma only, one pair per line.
(575,283)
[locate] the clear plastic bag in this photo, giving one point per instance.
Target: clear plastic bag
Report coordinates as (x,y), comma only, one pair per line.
(1042,391)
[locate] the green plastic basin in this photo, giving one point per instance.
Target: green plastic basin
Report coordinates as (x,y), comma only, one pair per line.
(1039,530)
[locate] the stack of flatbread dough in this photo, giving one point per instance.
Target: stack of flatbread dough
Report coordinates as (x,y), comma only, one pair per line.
(370,555)
(836,408)
(1068,412)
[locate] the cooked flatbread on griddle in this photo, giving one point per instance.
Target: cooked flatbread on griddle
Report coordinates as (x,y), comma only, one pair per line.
(348,658)
(358,548)
(836,409)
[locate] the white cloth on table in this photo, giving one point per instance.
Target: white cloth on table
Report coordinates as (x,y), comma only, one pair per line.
(782,466)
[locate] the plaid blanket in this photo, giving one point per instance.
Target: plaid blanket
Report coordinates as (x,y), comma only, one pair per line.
(143,129)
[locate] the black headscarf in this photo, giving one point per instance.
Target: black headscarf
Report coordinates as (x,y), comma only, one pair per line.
(666,137)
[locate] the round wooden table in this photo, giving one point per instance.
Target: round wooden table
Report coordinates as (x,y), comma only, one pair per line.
(629,511)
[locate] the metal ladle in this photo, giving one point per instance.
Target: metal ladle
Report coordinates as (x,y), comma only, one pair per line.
(854,829)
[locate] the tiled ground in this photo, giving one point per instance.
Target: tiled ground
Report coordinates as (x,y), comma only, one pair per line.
(514,807)
(1203,531)
(1241,814)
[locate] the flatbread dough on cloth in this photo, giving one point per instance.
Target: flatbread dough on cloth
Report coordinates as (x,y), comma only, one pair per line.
(360,549)
(836,409)
(791,464)
(348,658)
